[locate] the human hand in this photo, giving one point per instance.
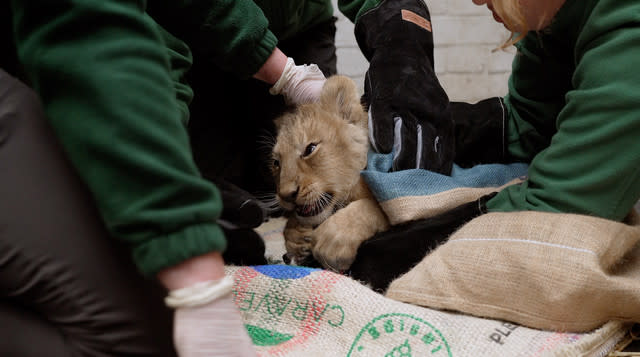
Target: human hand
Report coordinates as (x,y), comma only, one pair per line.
(212,328)
(408,109)
(206,320)
(299,84)
(239,207)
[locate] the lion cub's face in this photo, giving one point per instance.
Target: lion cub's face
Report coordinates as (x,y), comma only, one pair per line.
(319,153)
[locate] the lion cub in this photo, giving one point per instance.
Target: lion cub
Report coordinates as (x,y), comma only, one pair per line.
(319,152)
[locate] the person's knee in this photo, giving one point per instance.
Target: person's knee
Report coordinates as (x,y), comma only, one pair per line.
(17,100)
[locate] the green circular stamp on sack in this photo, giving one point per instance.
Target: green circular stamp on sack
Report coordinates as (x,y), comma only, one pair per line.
(404,334)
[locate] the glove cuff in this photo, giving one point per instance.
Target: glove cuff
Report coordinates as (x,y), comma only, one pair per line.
(287,73)
(200,293)
(395,24)
(480,132)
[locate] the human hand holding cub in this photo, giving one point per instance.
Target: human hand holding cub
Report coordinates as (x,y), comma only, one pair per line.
(299,84)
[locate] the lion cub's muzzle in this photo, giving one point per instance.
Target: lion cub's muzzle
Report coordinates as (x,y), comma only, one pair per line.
(311,214)
(314,208)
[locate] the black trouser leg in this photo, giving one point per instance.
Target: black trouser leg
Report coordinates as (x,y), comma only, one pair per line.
(231,125)
(64,282)
(27,334)
(480,132)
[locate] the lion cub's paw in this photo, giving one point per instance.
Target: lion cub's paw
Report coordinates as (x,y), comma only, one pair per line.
(336,244)
(298,242)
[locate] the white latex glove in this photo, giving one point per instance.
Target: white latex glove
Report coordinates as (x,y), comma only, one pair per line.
(207,322)
(299,84)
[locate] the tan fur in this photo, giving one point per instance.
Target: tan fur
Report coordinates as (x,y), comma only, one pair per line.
(336,126)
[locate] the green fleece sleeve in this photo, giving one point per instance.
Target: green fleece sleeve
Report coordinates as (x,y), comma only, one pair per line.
(592,163)
(233,35)
(102,71)
(241,37)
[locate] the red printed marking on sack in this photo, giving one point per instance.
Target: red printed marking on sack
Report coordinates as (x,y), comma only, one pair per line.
(555,340)
(321,286)
(416,19)
(242,279)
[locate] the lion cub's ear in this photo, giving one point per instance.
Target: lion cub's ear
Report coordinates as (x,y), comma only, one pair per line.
(340,94)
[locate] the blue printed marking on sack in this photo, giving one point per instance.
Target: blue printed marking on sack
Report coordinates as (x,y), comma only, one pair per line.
(284,271)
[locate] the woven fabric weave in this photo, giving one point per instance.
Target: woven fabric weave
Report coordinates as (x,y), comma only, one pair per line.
(295,311)
(543,270)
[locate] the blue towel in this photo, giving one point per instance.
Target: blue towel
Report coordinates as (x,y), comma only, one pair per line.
(420,185)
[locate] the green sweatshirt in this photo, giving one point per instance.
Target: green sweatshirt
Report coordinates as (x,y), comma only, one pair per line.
(104,73)
(574,112)
(239,35)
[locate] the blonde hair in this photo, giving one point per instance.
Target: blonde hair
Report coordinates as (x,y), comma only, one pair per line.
(511,14)
(513,17)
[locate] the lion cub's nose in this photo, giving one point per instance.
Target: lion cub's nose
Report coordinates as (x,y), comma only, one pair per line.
(289,195)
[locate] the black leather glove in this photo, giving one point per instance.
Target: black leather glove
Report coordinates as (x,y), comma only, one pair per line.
(241,212)
(408,109)
(239,207)
(480,132)
(389,254)
(244,246)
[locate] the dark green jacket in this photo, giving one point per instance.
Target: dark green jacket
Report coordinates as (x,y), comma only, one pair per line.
(111,81)
(574,112)
(239,35)
(103,70)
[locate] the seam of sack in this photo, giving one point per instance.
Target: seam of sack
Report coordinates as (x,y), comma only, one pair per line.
(511,240)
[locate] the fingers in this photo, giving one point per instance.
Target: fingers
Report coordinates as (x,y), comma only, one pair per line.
(299,84)
(418,146)
(437,147)
(407,145)
(212,330)
(240,207)
(244,247)
(380,120)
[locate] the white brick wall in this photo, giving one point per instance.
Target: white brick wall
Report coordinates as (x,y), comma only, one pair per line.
(464,36)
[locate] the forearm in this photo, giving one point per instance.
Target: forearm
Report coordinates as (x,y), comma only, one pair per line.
(591,161)
(198,269)
(234,36)
(103,75)
(272,69)
(592,167)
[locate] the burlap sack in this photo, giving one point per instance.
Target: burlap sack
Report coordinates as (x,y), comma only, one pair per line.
(409,208)
(302,312)
(543,270)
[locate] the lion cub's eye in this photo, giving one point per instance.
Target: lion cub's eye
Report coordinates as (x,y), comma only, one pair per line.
(310,148)
(276,163)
